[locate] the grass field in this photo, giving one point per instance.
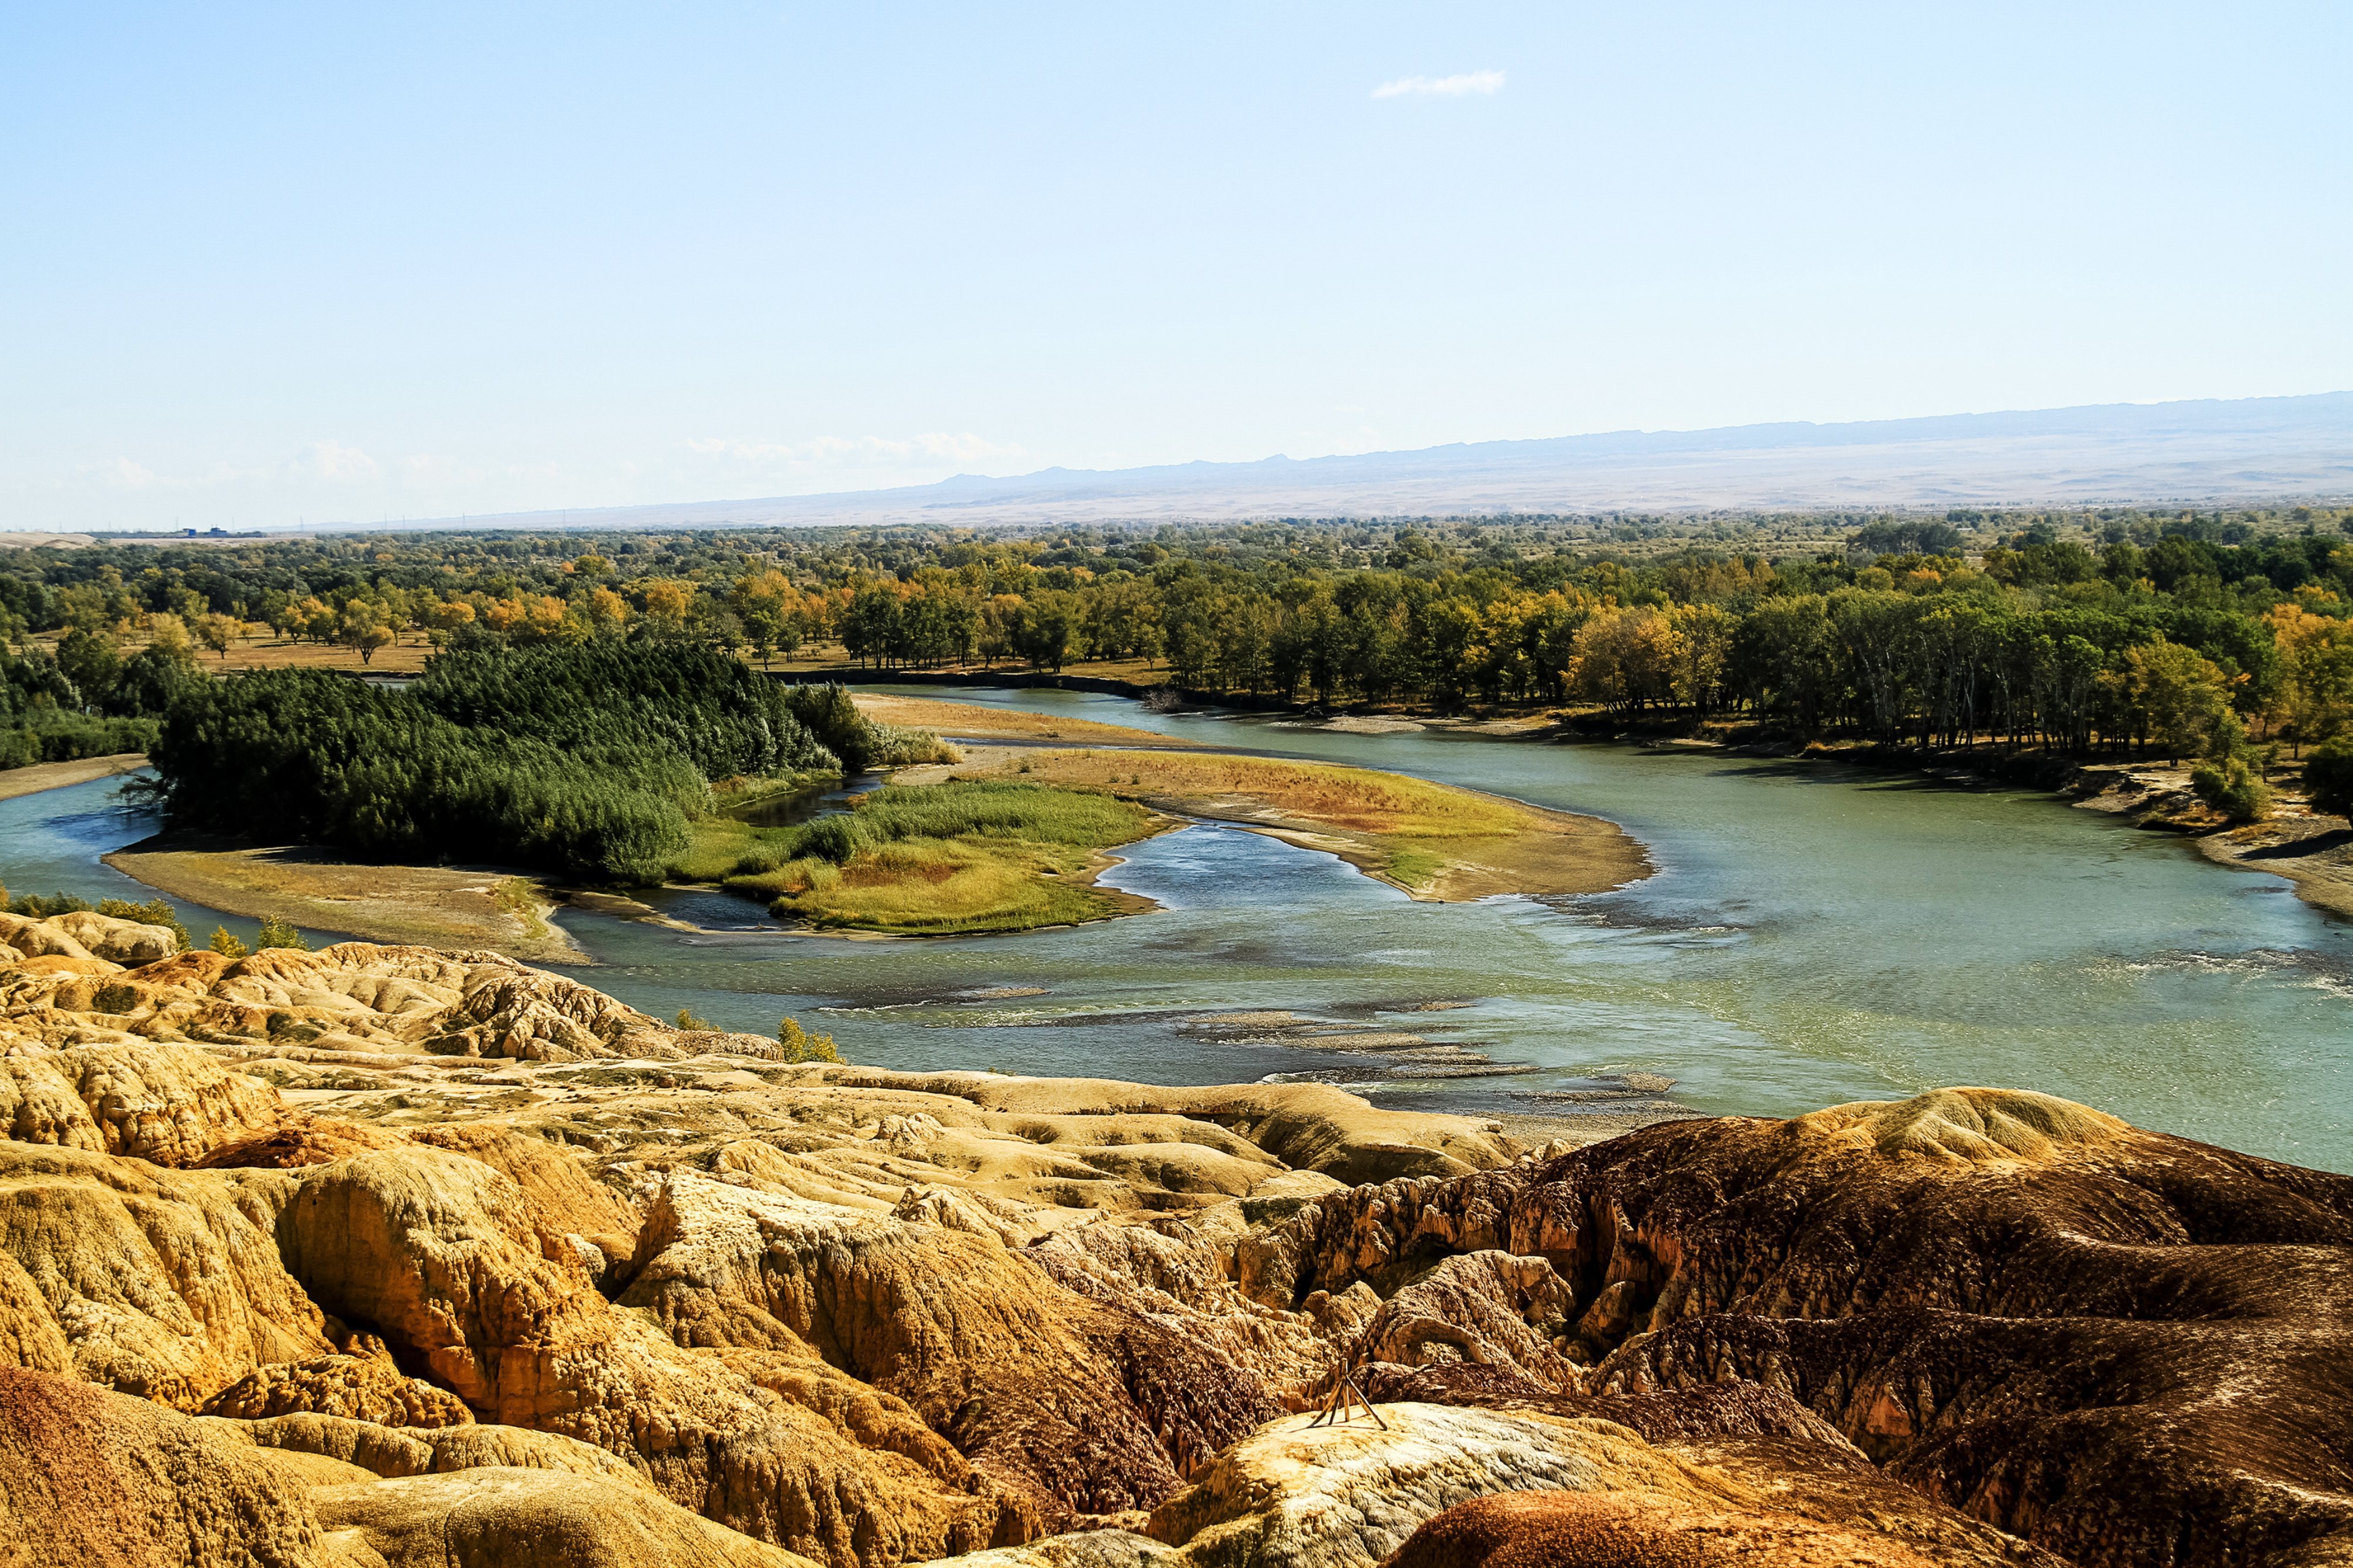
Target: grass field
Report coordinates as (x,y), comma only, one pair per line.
(993,856)
(266,651)
(978,721)
(1434,841)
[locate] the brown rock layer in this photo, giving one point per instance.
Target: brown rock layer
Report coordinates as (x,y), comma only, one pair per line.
(90,1478)
(2127,1347)
(1552,1530)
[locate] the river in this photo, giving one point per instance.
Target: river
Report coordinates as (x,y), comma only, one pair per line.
(1813,935)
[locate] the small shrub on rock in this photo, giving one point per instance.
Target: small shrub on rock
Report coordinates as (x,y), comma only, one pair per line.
(276,932)
(800,1046)
(2232,788)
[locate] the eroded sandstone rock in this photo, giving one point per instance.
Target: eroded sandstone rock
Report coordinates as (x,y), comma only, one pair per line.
(364,1388)
(1294,1493)
(117,941)
(2017,1305)
(88,1477)
(1524,1529)
(167,1284)
(879,1318)
(1094,1408)
(168,1104)
(493,1517)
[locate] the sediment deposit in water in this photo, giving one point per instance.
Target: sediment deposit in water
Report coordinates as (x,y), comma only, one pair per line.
(397,1255)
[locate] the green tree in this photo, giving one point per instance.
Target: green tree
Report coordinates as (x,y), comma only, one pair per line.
(90,660)
(217,633)
(800,1046)
(2233,787)
(276,932)
(2328,777)
(2175,695)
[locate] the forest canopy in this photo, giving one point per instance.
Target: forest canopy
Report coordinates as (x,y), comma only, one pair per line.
(2181,631)
(589,761)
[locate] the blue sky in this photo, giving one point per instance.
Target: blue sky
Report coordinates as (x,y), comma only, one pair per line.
(335,262)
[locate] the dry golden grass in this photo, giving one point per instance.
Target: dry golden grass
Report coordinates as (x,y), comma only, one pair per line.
(981,721)
(933,859)
(434,906)
(267,652)
(1435,841)
(830,660)
(405,657)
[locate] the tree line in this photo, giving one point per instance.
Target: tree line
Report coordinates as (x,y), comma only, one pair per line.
(2122,631)
(589,761)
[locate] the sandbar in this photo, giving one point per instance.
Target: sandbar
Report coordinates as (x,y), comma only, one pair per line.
(430,906)
(42,776)
(1438,843)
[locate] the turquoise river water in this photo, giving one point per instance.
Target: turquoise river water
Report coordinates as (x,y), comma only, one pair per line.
(1813,936)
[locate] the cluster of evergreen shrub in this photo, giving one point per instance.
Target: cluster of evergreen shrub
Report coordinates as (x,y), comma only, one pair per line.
(44,715)
(587,761)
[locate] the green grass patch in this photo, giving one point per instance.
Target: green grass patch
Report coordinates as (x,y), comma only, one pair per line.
(940,859)
(515,896)
(1415,867)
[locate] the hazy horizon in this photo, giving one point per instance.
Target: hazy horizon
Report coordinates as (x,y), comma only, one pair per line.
(2245,451)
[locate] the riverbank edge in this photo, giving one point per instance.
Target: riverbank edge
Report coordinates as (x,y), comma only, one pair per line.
(230,877)
(1615,858)
(40,777)
(2312,851)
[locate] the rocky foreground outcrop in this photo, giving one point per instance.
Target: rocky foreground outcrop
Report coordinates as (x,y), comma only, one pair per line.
(392,1255)
(2127,1347)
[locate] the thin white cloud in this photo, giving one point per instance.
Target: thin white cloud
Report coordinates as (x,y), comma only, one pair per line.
(836,452)
(124,474)
(1461,86)
(331,460)
(327,461)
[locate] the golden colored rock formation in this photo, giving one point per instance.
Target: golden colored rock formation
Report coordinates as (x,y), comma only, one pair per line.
(385,1255)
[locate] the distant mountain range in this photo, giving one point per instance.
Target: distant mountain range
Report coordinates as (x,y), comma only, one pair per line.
(2260,448)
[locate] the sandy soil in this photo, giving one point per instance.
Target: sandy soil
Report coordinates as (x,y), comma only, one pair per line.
(1354,724)
(56,775)
(2316,853)
(431,906)
(2313,851)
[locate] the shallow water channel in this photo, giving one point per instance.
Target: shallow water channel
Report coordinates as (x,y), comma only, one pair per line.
(1813,935)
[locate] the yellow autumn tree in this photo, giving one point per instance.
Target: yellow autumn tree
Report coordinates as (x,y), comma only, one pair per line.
(1624,658)
(2315,693)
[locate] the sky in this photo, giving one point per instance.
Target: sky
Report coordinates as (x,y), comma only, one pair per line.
(271,266)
